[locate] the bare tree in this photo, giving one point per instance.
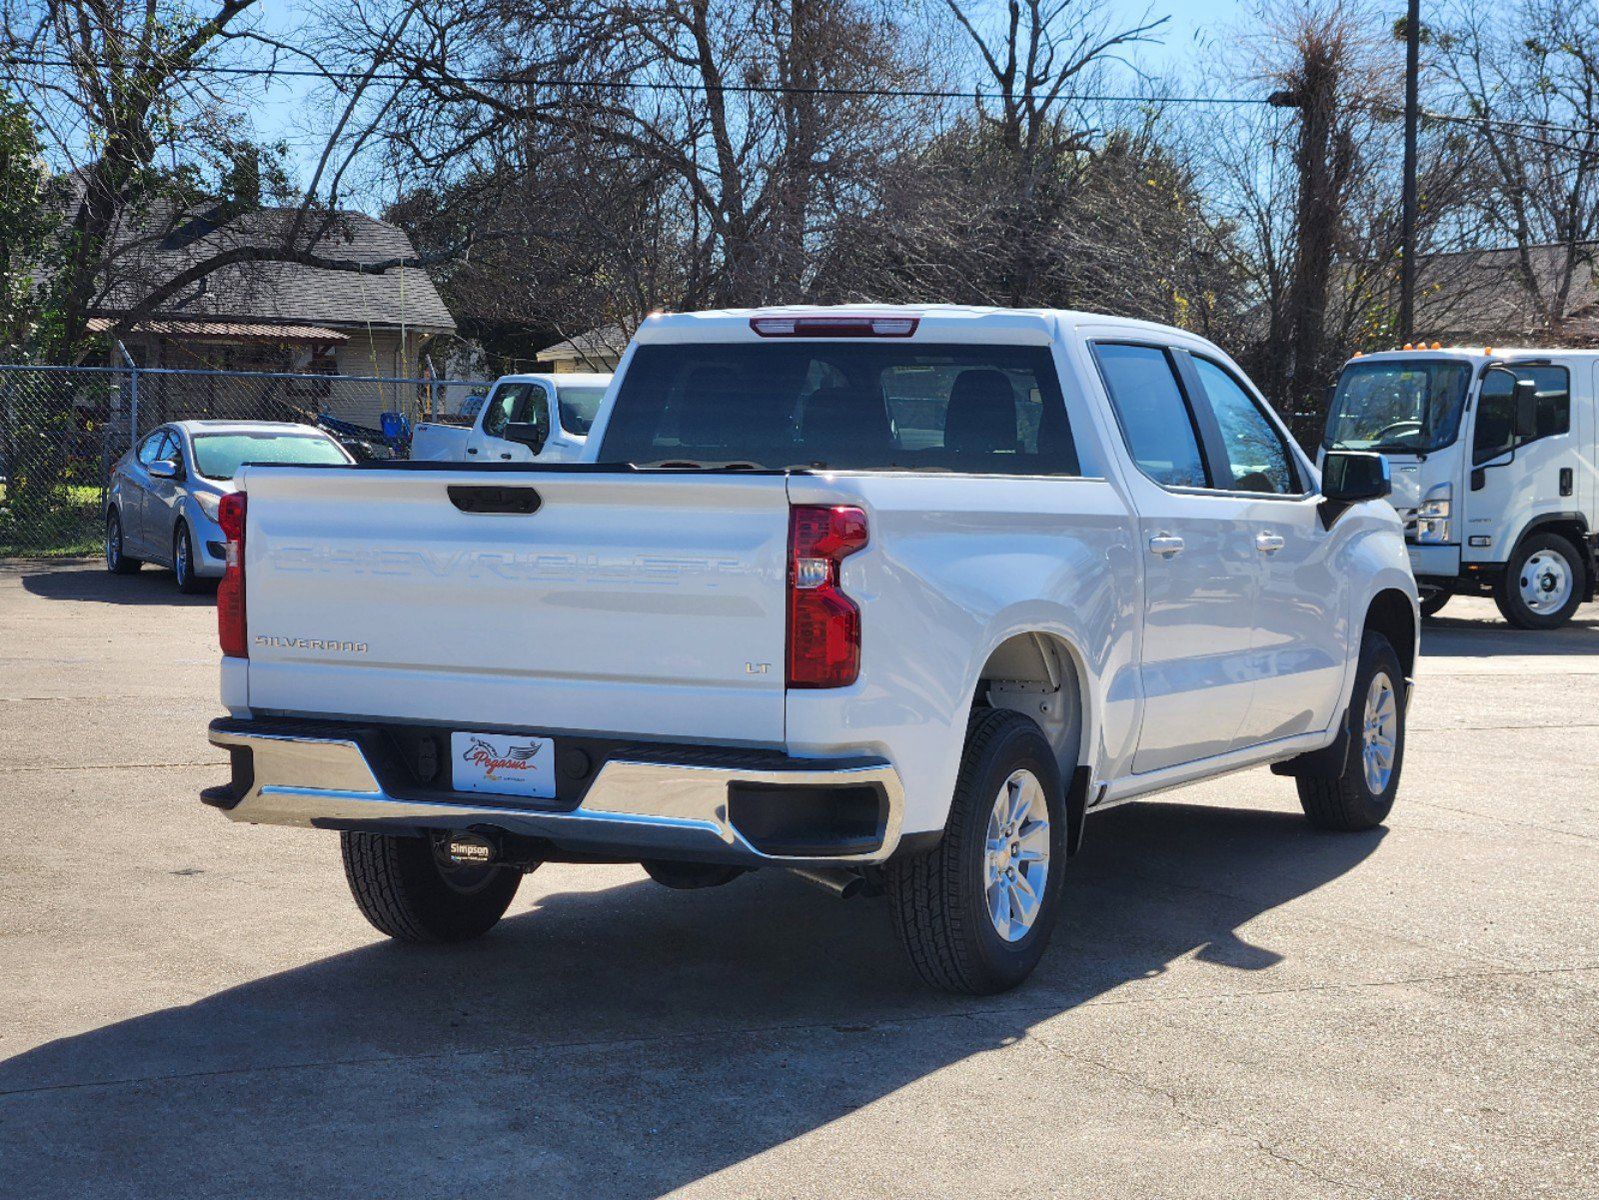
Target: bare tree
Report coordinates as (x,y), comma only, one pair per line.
(149,134)
(1527,84)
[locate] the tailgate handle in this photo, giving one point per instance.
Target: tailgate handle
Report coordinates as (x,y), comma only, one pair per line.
(491,499)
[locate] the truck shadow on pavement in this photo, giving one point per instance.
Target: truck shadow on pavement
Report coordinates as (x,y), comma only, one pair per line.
(1447,636)
(628,1041)
(98,586)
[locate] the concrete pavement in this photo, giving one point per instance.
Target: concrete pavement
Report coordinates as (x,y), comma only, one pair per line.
(1236,1005)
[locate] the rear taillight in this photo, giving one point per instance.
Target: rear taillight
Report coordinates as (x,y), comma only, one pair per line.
(232,630)
(824,625)
(836,325)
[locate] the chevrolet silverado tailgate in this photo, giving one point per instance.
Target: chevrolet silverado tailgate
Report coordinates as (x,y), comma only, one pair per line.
(633,603)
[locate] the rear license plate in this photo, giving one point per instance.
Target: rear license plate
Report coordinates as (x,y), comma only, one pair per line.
(504,764)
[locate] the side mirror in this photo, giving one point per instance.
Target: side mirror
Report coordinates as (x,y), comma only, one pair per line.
(1349,477)
(166,468)
(1526,404)
(527,433)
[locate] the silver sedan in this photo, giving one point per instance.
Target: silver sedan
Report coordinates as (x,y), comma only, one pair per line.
(161,506)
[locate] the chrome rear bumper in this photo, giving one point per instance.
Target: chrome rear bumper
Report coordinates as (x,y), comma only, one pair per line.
(648,809)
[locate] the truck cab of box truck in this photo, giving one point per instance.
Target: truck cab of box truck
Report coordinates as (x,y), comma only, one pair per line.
(1493,455)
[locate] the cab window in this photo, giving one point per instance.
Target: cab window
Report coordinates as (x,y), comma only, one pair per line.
(1257,458)
(1495,432)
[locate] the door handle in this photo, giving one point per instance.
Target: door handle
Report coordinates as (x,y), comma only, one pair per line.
(1166,544)
(471,449)
(1269,543)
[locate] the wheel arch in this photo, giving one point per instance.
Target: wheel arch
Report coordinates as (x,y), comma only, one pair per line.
(1573,526)
(1042,675)
(1392,613)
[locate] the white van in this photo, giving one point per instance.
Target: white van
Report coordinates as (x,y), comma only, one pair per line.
(526,418)
(1492,454)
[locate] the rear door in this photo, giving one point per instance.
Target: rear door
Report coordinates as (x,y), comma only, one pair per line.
(1201,577)
(645,604)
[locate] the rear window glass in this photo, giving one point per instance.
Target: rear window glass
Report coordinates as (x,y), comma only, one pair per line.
(843,406)
(220,455)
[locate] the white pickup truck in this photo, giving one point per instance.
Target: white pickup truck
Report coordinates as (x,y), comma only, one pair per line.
(525,418)
(894,598)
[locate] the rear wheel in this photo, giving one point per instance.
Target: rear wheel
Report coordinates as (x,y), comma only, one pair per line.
(409,891)
(976,912)
(183,562)
(1363,794)
(1543,583)
(116,561)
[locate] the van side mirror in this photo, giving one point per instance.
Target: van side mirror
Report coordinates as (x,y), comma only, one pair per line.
(1349,477)
(1526,405)
(527,433)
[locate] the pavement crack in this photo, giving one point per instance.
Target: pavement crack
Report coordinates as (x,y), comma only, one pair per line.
(1187,1113)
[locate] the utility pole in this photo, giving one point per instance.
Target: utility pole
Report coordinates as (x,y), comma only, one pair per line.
(1407,234)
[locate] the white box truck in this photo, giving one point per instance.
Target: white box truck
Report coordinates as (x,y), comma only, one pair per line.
(1492,454)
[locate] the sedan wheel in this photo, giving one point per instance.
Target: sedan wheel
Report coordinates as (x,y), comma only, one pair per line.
(116,561)
(183,562)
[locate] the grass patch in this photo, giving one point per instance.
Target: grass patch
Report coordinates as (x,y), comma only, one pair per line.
(68,527)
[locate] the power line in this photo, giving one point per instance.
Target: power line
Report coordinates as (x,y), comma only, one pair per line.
(616,85)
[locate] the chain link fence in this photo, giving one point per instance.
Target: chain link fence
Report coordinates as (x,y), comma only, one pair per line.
(63,428)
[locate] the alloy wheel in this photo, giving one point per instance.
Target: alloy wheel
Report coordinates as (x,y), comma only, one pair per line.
(1016,862)
(1380,735)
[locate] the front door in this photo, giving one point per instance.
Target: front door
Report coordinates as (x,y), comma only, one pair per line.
(518,400)
(1515,477)
(1301,621)
(1201,577)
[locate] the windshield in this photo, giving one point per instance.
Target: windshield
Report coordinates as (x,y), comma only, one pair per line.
(579,406)
(845,406)
(220,455)
(1397,406)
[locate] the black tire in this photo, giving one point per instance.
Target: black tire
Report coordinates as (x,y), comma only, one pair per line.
(183,562)
(1349,802)
(939,898)
(1522,570)
(116,561)
(400,885)
(1433,601)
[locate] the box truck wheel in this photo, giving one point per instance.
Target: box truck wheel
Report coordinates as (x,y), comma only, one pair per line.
(1543,583)
(975,913)
(404,887)
(1433,600)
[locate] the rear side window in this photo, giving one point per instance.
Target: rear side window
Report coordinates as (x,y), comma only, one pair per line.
(843,406)
(1155,419)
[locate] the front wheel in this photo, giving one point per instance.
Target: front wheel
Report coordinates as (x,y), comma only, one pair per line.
(1543,583)
(1363,794)
(975,913)
(183,562)
(408,891)
(116,561)
(1433,601)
